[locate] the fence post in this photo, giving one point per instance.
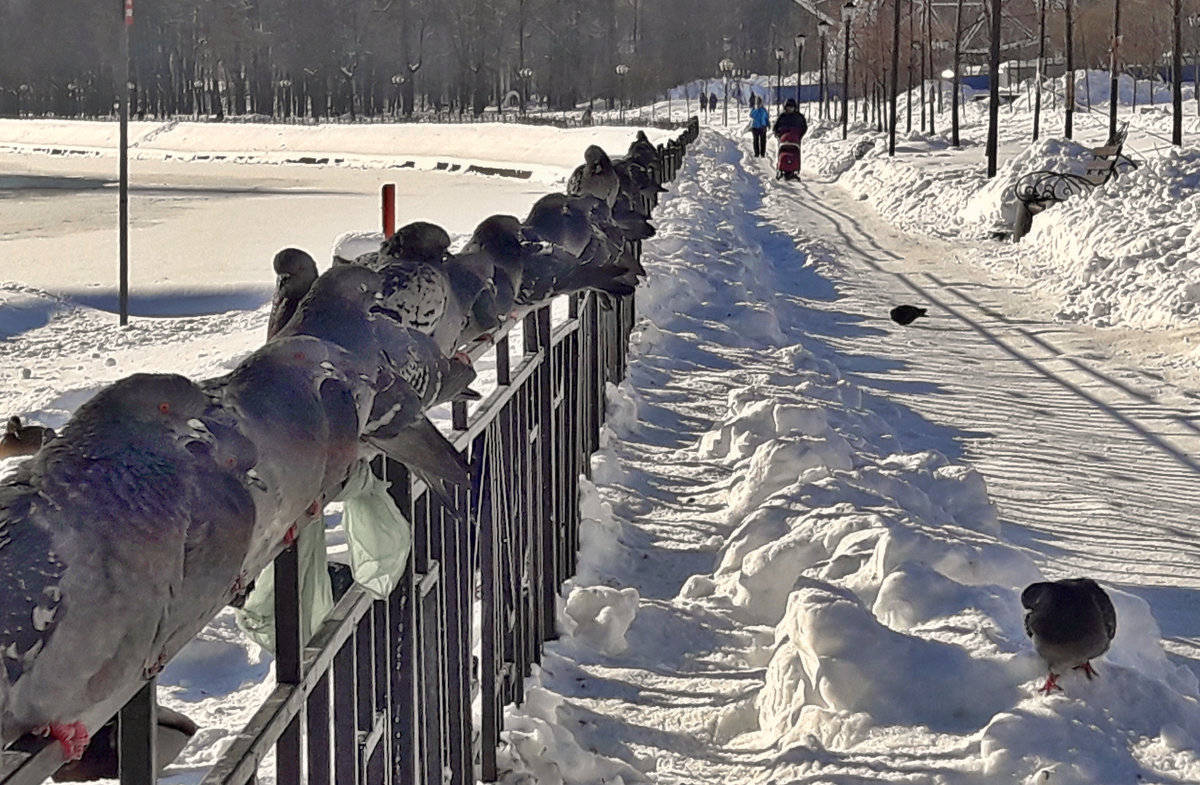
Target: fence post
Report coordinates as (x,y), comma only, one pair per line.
(137,726)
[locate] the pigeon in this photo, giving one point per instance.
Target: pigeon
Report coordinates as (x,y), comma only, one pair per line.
(416,285)
(295,272)
(21,439)
(300,401)
(638,183)
(92,549)
(1071,622)
(493,254)
(906,314)
(642,151)
(100,760)
(395,371)
(595,177)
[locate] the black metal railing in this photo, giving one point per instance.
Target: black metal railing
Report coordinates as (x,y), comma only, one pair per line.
(382,693)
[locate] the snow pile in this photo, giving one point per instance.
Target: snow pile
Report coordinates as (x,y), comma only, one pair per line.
(886,595)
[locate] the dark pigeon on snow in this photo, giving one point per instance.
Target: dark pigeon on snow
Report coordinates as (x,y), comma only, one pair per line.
(22,439)
(1071,622)
(100,761)
(906,314)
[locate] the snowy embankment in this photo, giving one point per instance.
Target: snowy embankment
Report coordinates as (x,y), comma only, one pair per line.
(1126,254)
(776,587)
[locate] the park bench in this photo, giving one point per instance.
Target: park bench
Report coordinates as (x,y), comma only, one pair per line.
(1038,190)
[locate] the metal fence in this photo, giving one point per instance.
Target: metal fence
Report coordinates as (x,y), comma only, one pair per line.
(382,693)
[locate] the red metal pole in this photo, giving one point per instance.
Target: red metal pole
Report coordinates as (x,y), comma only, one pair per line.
(389,209)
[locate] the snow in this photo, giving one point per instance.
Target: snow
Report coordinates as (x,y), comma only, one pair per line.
(807,529)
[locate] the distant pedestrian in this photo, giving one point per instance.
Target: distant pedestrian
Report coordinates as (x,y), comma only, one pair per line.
(760,121)
(712,102)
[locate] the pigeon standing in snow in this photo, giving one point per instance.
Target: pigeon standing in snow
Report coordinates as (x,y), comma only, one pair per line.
(594,177)
(92,549)
(906,314)
(1071,622)
(295,272)
(21,439)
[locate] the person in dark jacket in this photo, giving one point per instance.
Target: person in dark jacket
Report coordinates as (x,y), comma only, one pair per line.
(791,120)
(712,102)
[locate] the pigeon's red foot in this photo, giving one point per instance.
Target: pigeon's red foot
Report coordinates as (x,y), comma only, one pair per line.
(240,585)
(313,508)
(289,536)
(1087,669)
(1051,684)
(462,357)
(72,736)
(152,668)
(488,338)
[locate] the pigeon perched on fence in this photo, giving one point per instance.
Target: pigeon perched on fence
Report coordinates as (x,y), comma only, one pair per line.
(93,533)
(594,177)
(906,314)
(417,289)
(1071,622)
(19,439)
(642,151)
(295,272)
(395,371)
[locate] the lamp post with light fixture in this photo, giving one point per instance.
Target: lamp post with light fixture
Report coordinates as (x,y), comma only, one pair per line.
(525,74)
(778,76)
(726,66)
(799,65)
(822,29)
(621,70)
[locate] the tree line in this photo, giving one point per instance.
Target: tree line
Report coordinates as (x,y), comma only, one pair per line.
(322,58)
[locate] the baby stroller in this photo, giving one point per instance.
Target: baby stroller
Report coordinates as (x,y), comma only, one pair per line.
(787,165)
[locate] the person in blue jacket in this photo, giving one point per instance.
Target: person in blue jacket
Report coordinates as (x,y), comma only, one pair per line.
(760,121)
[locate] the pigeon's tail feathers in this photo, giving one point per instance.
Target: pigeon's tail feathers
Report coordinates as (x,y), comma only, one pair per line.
(454,384)
(427,453)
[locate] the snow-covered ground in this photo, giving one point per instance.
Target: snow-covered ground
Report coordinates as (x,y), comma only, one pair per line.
(807,533)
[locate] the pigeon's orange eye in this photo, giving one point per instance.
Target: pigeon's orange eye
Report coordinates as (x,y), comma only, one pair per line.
(164,407)
(298,356)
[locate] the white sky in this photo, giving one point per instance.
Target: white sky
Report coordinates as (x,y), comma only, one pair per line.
(809,527)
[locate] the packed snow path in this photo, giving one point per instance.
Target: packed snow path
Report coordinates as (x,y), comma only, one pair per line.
(810,527)
(1095,465)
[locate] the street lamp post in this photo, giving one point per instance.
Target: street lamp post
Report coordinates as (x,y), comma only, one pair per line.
(726,66)
(1041,65)
(397,80)
(622,69)
(1113,64)
(525,74)
(779,53)
(1194,23)
(822,29)
(847,17)
(957,70)
(799,65)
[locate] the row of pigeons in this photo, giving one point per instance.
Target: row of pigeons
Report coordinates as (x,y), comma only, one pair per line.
(162,497)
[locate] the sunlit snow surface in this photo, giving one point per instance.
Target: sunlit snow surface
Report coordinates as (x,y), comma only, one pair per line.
(808,528)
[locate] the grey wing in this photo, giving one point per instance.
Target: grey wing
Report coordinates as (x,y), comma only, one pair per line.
(575,183)
(30,575)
